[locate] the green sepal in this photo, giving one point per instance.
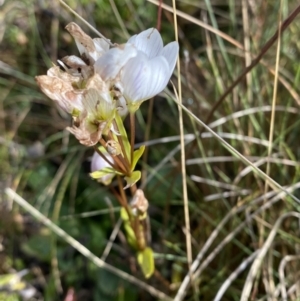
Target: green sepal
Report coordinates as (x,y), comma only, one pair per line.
(103,172)
(136,156)
(133,106)
(123,135)
(146,261)
(135,176)
(75,113)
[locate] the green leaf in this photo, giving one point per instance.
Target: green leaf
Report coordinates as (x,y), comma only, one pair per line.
(130,236)
(146,261)
(135,176)
(7,296)
(136,156)
(123,134)
(103,172)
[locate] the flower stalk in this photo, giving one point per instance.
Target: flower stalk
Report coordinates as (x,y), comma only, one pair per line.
(132,134)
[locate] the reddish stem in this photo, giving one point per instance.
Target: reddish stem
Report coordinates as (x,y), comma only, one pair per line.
(159,15)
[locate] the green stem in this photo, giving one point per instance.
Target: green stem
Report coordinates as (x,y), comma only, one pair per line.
(132,134)
(127,164)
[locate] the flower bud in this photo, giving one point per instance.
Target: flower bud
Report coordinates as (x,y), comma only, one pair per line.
(98,164)
(113,148)
(139,203)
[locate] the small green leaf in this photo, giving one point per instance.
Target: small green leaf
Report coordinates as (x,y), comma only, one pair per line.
(123,134)
(136,156)
(75,113)
(135,176)
(130,236)
(146,262)
(103,172)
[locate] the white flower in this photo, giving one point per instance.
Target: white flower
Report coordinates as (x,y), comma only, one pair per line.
(148,73)
(141,68)
(108,66)
(98,164)
(129,74)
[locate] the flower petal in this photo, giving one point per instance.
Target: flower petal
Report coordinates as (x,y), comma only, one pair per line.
(62,92)
(87,133)
(122,107)
(73,61)
(101,45)
(148,42)
(99,163)
(84,42)
(170,53)
(109,65)
(56,72)
(76,66)
(143,78)
(96,82)
(97,107)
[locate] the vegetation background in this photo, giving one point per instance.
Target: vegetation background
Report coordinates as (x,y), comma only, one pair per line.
(241,227)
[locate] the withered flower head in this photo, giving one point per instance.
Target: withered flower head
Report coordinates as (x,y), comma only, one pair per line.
(96,118)
(86,132)
(139,203)
(60,87)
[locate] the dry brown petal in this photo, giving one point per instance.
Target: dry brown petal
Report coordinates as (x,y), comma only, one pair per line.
(85,137)
(76,66)
(62,92)
(74,61)
(87,134)
(56,72)
(82,39)
(96,82)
